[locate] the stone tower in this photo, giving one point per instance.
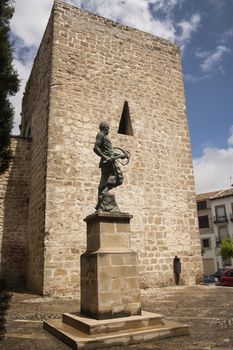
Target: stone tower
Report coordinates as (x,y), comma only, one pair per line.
(89,69)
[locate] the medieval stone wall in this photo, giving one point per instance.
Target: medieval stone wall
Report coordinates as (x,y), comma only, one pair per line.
(97,65)
(35,112)
(14,196)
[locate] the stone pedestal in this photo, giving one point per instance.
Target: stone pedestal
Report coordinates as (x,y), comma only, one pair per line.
(110,294)
(81,332)
(109,269)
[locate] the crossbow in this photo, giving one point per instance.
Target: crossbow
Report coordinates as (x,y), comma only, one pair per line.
(119,153)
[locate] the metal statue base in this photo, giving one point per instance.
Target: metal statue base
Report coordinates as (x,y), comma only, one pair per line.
(107,202)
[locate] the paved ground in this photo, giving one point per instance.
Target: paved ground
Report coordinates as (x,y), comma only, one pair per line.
(207,309)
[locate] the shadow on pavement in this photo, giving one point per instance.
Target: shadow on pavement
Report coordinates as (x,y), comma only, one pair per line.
(5,299)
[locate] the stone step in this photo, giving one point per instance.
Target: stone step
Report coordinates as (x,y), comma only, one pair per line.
(76,339)
(92,326)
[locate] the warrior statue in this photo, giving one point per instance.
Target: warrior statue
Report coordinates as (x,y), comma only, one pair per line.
(111,174)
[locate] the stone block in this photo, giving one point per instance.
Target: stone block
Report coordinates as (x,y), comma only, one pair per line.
(132,283)
(79,332)
(122,227)
(92,326)
(103,232)
(89,283)
(68,95)
(107,227)
(110,273)
(114,240)
(107,288)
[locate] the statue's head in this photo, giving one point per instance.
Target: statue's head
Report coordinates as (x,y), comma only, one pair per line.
(104,126)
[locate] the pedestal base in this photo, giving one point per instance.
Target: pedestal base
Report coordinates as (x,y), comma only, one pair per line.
(80,332)
(107,203)
(109,291)
(109,268)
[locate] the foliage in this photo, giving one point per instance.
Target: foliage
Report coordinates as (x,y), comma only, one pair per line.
(9,83)
(226,248)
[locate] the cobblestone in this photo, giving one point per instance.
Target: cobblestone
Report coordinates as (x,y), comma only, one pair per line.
(207,309)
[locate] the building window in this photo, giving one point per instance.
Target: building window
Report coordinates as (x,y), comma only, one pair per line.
(222,233)
(220,212)
(206,243)
(226,261)
(201,205)
(125,126)
(232,212)
(203,221)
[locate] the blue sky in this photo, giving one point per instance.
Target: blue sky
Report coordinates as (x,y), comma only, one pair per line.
(209,87)
(204,31)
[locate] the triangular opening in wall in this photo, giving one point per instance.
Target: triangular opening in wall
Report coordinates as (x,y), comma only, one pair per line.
(125,126)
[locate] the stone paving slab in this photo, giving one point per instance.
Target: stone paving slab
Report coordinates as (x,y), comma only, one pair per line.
(208,310)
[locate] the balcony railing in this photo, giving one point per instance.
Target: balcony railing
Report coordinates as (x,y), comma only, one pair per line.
(220,219)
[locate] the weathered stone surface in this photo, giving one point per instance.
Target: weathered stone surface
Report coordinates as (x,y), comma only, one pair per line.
(35,112)
(210,321)
(109,290)
(86,68)
(14,198)
(130,333)
(109,268)
(92,326)
(106,231)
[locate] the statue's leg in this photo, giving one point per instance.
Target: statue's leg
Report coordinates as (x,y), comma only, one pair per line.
(104,186)
(118,175)
(106,201)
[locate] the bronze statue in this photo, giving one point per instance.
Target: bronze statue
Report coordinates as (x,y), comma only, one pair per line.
(111,174)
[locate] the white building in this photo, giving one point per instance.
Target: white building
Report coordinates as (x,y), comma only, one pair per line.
(222,209)
(215,217)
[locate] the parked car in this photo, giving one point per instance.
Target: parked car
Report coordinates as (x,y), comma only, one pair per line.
(209,279)
(227,278)
(218,273)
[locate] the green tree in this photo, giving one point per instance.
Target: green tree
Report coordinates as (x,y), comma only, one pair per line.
(9,83)
(226,248)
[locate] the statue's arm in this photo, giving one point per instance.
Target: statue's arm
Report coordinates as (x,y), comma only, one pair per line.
(97,150)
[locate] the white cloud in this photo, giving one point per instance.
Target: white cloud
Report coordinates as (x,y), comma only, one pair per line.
(195,78)
(30,19)
(27,25)
(189,27)
(226,36)
(202,54)
(136,13)
(213,169)
(23,71)
(212,61)
(230,138)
